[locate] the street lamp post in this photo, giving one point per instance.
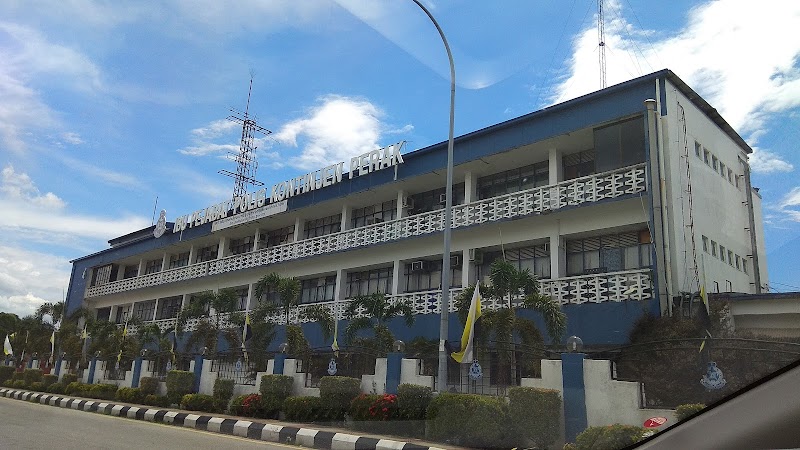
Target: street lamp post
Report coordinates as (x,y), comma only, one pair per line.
(441,380)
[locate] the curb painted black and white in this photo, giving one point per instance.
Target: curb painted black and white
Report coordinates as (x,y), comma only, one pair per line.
(271,432)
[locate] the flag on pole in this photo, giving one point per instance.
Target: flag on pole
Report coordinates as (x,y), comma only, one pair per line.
(705,316)
(465,356)
(174,343)
(247,333)
(335,344)
(84,333)
(7,347)
(52,347)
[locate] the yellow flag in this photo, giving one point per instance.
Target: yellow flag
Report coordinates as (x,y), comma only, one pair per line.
(465,356)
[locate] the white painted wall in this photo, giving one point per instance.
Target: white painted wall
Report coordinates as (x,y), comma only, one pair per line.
(409,374)
(207,379)
(375,384)
(299,385)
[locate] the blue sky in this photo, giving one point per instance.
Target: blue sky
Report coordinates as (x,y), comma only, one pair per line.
(106,105)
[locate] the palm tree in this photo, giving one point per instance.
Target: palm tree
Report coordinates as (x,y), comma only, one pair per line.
(286,292)
(516,290)
(210,310)
(379,310)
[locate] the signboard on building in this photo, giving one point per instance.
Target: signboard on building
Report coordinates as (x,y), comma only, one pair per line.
(265,202)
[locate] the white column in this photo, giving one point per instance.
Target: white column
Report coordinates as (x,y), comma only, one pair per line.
(339,291)
(347,213)
(141,267)
(164,261)
(400,210)
(558,256)
(249,296)
(155,311)
(555,169)
(470,188)
(192,254)
(467,269)
(298,229)
(396,276)
(256,242)
(223,242)
(185,300)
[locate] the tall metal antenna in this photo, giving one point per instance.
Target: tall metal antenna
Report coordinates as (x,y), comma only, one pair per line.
(246,162)
(601,39)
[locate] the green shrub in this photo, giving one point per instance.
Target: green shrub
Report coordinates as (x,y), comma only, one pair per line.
(683,412)
(223,391)
(179,383)
(55,388)
(49,379)
(274,390)
(75,388)
(37,386)
(69,378)
(6,372)
(609,437)
(129,395)
(235,407)
(336,393)
(413,401)
(32,375)
(148,385)
(8,383)
(103,391)
(536,414)
(470,420)
(17,376)
(303,409)
(198,402)
(19,384)
(157,400)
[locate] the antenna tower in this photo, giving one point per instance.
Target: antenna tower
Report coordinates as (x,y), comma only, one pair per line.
(246,162)
(601,38)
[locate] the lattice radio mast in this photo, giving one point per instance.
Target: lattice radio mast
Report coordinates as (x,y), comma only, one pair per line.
(601,43)
(246,162)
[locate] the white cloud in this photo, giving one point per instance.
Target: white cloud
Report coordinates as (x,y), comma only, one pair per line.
(739,55)
(72,138)
(333,130)
(98,173)
(26,55)
(762,161)
(215,129)
(29,278)
(26,210)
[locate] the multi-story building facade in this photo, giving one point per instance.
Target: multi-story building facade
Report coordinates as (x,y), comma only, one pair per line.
(618,201)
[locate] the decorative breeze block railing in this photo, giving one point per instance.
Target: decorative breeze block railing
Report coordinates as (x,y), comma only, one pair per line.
(538,200)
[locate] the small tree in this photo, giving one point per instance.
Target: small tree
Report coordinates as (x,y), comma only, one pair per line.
(216,314)
(279,295)
(379,311)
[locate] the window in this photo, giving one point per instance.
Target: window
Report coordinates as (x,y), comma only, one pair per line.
(707,156)
(705,244)
(320,289)
(619,145)
(369,282)
(730,257)
(242,245)
(722,169)
(713,248)
(179,260)
(579,165)
(434,199)
(744,265)
(242,294)
(697,148)
(144,310)
(324,226)
(169,307)
(609,253)
(738,262)
(277,237)
(714,162)
(153,266)
(103,275)
(535,257)
(426,275)
(514,180)
(730,176)
(130,272)
(122,313)
(195,298)
(207,253)
(722,253)
(103,314)
(368,215)
(736,181)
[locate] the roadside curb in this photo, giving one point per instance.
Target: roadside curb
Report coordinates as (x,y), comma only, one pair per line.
(271,432)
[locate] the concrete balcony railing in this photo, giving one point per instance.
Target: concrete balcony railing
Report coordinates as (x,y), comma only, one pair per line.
(629,285)
(538,200)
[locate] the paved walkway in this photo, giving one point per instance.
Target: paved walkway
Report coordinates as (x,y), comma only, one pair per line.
(272,431)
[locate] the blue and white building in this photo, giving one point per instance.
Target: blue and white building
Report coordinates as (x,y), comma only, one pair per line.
(618,201)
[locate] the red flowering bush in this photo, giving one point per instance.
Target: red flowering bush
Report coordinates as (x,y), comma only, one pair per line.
(373,407)
(251,405)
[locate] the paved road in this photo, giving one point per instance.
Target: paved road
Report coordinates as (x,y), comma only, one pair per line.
(25,425)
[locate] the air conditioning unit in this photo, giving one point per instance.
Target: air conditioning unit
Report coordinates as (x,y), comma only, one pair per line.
(442,198)
(476,256)
(455,261)
(419,266)
(408,203)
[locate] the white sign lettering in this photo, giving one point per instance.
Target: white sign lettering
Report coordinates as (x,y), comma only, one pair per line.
(266,202)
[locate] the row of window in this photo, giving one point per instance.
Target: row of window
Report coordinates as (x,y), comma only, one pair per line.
(711,160)
(717,250)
